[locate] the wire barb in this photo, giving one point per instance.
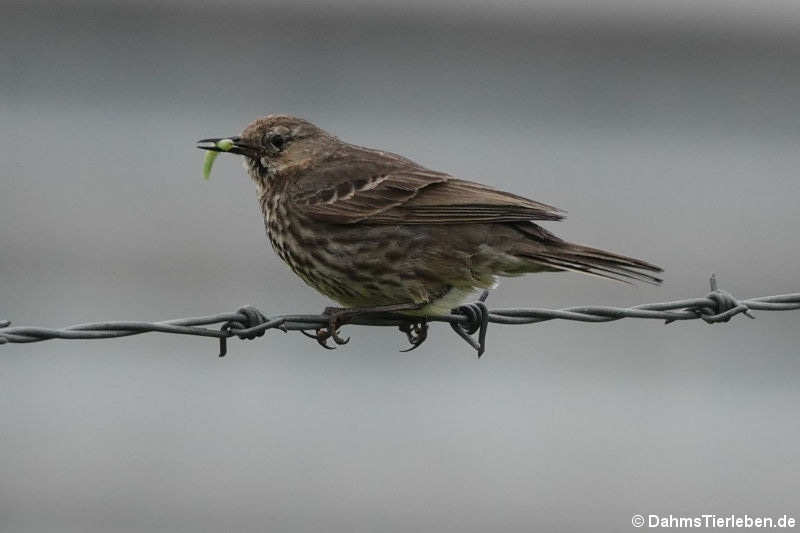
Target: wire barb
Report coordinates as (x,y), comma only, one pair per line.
(246,327)
(726,306)
(477,320)
(467,320)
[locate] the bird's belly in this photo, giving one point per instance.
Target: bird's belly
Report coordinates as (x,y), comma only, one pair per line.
(358,266)
(361,265)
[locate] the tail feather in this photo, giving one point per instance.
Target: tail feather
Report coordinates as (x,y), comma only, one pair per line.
(592,261)
(547,251)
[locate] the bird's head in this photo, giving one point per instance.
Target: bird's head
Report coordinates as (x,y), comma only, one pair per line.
(273,144)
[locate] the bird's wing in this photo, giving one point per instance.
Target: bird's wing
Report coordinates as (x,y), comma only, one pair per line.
(392,190)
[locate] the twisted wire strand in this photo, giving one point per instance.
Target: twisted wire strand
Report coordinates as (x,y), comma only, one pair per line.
(467,320)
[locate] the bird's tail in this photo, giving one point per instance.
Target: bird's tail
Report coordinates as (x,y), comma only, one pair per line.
(553,253)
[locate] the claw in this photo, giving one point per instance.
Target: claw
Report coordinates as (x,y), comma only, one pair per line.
(322,339)
(335,317)
(339,340)
(321,336)
(411,349)
(416,333)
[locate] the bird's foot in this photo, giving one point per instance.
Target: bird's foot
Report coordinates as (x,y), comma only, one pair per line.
(416,332)
(337,317)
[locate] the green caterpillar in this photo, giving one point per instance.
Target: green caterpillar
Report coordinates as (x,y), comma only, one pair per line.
(224,145)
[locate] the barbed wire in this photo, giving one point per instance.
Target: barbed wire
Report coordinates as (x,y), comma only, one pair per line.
(467,320)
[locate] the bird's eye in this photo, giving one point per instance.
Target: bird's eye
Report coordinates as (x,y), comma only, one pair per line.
(277,141)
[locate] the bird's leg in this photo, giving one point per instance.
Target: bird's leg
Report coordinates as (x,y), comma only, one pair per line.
(338,316)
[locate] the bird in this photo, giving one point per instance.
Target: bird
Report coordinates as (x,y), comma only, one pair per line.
(376,231)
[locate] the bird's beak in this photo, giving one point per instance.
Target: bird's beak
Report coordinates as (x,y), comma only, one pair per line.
(235,143)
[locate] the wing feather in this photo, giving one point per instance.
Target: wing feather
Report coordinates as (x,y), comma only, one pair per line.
(393,190)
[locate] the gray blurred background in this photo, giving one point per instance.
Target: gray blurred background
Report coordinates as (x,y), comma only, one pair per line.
(669,131)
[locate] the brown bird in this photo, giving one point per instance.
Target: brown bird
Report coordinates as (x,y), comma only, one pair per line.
(378,232)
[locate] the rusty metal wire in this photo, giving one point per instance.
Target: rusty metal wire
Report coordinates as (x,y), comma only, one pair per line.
(467,320)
